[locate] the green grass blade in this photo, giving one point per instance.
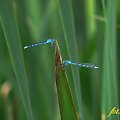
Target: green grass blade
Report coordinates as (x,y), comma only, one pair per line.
(66,103)
(14,46)
(109,90)
(65,9)
(42,85)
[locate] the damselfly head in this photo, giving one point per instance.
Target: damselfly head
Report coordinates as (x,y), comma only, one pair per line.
(65,63)
(51,41)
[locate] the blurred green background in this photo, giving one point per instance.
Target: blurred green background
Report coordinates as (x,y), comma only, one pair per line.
(89,31)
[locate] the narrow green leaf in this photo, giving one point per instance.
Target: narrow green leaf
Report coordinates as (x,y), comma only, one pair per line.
(38,16)
(66,14)
(110,93)
(66,103)
(14,46)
